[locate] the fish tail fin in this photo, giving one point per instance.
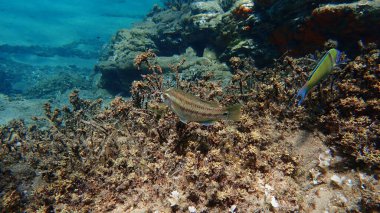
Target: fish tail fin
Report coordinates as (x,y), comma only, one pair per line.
(302,94)
(341,58)
(234,112)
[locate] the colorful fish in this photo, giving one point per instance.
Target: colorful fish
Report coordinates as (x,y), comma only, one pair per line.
(191,108)
(320,72)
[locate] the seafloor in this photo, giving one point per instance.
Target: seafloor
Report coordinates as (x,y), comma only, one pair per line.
(134,154)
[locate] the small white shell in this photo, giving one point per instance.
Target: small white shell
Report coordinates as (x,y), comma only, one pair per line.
(274,202)
(192,209)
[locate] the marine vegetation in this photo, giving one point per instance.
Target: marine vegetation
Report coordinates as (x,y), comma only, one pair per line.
(132,157)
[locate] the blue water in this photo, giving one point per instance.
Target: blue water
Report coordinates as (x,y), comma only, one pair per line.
(50,23)
(44,40)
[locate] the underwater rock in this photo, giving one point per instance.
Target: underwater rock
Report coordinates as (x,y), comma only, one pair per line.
(116,64)
(86,49)
(204,23)
(210,54)
(204,16)
(205,7)
(167,33)
(262,30)
(42,81)
(338,181)
(10,72)
(5,86)
(57,84)
(193,67)
(311,23)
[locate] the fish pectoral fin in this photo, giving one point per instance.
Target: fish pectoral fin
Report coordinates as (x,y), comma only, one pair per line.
(179,114)
(207,123)
(234,112)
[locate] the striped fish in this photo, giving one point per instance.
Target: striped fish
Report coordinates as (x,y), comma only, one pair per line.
(320,72)
(191,108)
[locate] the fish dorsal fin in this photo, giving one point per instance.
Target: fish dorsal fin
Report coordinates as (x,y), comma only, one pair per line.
(195,98)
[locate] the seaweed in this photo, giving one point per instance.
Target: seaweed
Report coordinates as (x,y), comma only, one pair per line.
(123,156)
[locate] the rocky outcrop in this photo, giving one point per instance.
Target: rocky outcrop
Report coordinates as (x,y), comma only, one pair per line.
(116,64)
(84,49)
(345,22)
(169,34)
(262,30)
(118,77)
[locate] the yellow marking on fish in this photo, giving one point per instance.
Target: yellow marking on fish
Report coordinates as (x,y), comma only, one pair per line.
(320,72)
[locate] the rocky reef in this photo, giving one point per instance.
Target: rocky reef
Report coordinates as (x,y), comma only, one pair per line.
(85,49)
(262,30)
(133,156)
(25,87)
(42,81)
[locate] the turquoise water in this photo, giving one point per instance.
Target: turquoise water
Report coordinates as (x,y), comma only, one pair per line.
(84,25)
(54,23)
(44,41)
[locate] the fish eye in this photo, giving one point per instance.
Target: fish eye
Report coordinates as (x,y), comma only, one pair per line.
(225,113)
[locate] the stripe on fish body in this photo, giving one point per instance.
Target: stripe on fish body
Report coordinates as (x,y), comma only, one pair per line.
(191,108)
